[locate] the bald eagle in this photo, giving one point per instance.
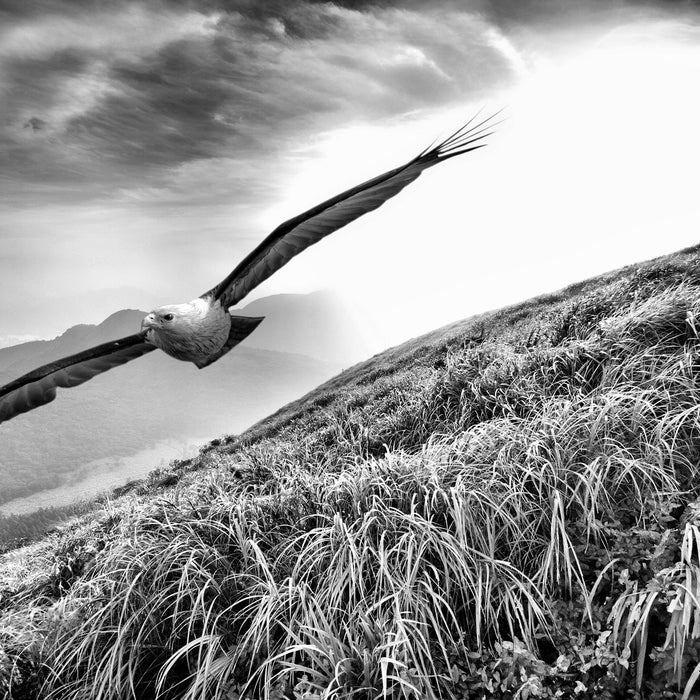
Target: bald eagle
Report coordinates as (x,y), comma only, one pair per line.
(202,330)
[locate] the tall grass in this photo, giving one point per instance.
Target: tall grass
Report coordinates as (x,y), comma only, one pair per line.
(493,514)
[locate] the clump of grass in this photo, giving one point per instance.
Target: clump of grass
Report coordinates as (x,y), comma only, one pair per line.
(670,603)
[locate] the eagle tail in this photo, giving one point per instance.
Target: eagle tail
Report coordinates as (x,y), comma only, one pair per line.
(241,328)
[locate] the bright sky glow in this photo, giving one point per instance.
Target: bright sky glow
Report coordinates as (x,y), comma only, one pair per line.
(594,169)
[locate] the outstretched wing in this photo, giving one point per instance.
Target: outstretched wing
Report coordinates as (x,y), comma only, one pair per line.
(297,234)
(39,386)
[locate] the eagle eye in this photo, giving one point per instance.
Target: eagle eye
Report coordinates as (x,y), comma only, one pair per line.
(168,317)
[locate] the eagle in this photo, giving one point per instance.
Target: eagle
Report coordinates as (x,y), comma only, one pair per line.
(203,330)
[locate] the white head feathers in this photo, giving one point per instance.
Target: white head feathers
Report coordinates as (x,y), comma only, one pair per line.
(191,331)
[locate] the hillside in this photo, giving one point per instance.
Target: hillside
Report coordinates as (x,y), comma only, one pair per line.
(159,400)
(504,508)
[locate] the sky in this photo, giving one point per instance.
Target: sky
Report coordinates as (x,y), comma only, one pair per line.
(146,147)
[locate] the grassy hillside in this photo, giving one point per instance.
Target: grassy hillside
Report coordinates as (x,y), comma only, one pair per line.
(503,508)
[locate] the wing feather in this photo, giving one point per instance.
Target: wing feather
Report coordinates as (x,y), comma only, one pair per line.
(295,235)
(38,387)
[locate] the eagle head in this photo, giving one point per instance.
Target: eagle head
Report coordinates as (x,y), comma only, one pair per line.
(191,331)
(173,319)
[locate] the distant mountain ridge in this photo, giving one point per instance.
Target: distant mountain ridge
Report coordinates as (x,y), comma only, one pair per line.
(24,357)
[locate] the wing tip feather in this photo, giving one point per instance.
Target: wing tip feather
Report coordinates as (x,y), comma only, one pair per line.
(465,139)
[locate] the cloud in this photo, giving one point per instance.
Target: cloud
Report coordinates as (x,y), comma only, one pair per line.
(123,95)
(35,124)
(132,96)
(56,67)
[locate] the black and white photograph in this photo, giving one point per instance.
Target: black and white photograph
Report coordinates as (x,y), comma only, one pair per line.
(348,349)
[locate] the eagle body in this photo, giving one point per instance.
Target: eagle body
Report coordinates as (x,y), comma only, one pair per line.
(195,331)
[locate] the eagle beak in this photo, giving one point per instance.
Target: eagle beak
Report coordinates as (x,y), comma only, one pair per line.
(149,322)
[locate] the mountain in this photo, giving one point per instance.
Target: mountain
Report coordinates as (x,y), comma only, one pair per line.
(68,310)
(507,507)
(18,359)
(318,325)
(130,408)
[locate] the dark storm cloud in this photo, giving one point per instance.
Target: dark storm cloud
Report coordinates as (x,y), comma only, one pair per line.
(525,11)
(35,124)
(162,109)
(114,91)
(506,12)
(104,94)
(557,12)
